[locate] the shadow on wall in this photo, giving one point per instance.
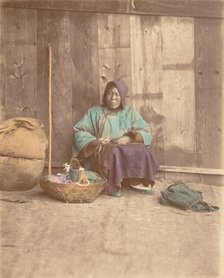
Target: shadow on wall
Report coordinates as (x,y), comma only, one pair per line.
(156,122)
(173,155)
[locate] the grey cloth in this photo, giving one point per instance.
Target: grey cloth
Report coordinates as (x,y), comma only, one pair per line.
(182,196)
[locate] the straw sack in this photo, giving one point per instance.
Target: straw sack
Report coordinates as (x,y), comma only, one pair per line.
(23,145)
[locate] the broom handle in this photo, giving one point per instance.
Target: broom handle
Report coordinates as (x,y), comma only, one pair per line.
(50,111)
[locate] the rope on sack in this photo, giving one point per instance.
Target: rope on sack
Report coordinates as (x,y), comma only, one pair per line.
(50,110)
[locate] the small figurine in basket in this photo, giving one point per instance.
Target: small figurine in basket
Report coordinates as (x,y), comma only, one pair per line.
(113,140)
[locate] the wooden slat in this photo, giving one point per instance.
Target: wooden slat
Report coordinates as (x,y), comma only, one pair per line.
(179,118)
(178,43)
(21,26)
(114,31)
(71,5)
(146,46)
(114,54)
(115,63)
(42,67)
(85,62)
(21,91)
(53,29)
(137,70)
(193,170)
(152,65)
(206,179)
(171,177)
(190,8)
(19,44)
(178,92)
(209,92)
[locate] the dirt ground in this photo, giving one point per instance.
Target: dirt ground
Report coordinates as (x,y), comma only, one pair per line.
(131,236)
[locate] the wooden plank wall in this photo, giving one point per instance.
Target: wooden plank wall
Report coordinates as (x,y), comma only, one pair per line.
(172,66)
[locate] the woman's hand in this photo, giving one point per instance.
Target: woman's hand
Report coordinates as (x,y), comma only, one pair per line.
(123,140)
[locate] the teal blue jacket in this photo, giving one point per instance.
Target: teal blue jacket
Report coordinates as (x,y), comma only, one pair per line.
(100,122)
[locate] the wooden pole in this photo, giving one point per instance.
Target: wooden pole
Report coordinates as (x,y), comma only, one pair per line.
(50,110)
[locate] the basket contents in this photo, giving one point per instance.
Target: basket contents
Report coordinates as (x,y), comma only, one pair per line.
(76,185)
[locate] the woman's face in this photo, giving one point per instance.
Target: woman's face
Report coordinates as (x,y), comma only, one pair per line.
(112,98)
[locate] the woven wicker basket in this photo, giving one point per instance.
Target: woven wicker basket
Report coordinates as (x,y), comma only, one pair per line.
(72,192)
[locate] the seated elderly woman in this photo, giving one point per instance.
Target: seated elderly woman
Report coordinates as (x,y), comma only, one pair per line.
(113,140)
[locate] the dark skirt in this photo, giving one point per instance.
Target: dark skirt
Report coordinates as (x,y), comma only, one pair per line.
(122,162)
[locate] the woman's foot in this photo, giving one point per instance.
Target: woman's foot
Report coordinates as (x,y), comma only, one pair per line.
(115,194)
(142,189)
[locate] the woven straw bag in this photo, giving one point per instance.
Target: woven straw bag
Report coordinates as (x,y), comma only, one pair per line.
(81,191)
(22,153)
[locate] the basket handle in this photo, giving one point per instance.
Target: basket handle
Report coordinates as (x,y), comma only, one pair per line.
(74,163)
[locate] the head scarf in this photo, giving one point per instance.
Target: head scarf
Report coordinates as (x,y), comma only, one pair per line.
(121,87)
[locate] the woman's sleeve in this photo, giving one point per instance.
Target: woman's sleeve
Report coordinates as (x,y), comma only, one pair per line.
(84,132)
(140,126)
